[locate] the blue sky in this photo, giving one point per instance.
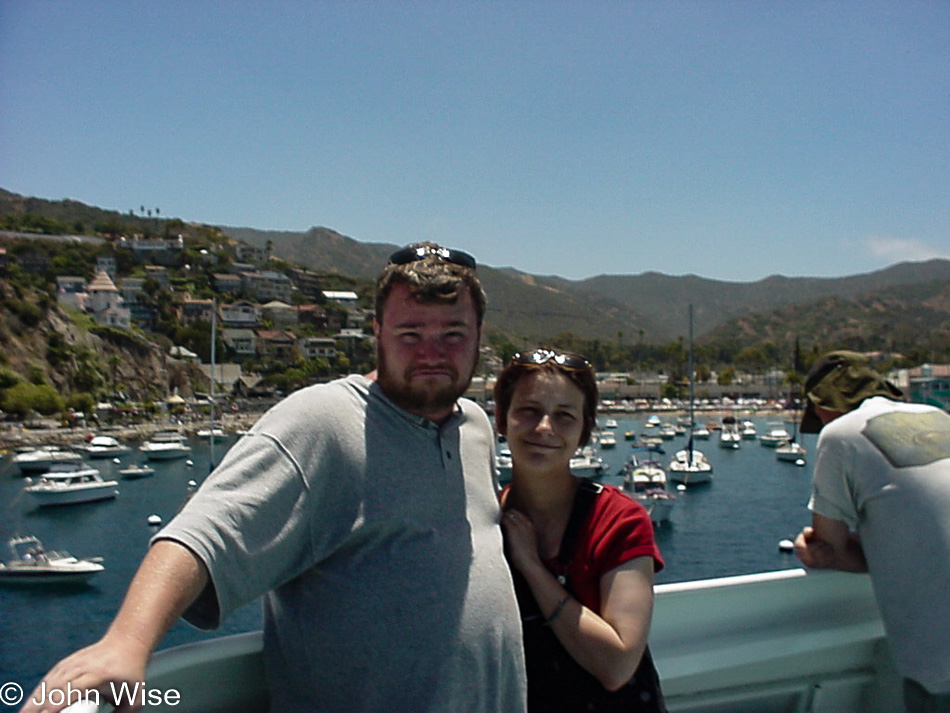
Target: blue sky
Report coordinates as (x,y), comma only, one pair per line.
(732,140)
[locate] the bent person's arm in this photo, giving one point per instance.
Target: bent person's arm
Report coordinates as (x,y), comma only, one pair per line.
(169,579)
(830,544)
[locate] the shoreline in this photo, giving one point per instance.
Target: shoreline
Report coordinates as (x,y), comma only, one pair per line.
(19,435)
(22,436)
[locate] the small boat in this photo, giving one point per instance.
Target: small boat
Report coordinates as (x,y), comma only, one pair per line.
(775,435)
(608,440)
(653,422)
(729,436)
(165,445)
(630,435)
(645,482)
(747,431)
(70,484)
(42,459)
(215,430)
(701,432)
(30,563)
(791,452)
(610,423)
(103,447)
(690,467)
(587,465)
(137,471)
(667,431)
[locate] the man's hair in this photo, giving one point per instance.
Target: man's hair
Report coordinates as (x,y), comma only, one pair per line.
(431,280)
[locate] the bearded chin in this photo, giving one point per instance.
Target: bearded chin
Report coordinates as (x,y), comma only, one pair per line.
(420,399)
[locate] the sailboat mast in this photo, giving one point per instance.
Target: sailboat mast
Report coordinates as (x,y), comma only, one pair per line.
(690,375)
(214,328)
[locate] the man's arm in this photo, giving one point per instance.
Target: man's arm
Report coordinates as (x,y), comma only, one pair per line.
(169,579)
(830,544)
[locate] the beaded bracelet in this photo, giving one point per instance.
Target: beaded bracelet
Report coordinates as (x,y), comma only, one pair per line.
(557,610)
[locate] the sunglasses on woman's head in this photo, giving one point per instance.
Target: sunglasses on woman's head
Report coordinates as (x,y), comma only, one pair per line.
(412,254)
(565,360)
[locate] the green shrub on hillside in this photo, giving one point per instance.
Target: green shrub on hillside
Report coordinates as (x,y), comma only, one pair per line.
(24,398)
(9,378)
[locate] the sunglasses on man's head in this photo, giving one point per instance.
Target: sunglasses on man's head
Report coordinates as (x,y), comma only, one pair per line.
(565,360)
(410,254)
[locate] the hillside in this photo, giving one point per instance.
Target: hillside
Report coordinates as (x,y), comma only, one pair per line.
(645,309)
(525,307)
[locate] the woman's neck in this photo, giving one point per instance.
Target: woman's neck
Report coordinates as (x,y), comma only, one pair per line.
(543,498)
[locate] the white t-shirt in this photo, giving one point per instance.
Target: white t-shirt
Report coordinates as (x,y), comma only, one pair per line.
(884,469)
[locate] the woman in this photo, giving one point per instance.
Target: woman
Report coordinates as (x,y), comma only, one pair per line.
(583,555)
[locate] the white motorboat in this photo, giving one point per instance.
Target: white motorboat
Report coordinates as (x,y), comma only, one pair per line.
(585,464)
(608,440)
(645,482)
(769,643)
(216,431)
(747,431)
(775,434)
(611,423)
(70,484)
(42,459)
(137,471)
(701,432)
(729,435)
(165,445)
(667,431)
(30,563)
(791,452)
(103,447)
(690,467)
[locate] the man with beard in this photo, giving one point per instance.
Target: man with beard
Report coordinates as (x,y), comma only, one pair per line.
(365,512)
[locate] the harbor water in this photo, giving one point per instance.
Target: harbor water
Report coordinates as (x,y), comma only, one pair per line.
(730,526)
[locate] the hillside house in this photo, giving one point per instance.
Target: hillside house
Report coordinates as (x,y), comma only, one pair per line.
(240,315)
(267,286)
(280,314)
(193,310)
(105,303)
(249,253)
(241,342)
(344,298)
(71,291)
(226,283)
(317,348)
(313,315)
(276,344)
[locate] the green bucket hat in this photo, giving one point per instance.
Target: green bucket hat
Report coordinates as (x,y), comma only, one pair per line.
(840,381)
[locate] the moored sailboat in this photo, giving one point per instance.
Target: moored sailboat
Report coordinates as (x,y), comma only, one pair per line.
(690,466)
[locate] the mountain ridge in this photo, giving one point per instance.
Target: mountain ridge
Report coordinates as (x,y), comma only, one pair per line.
(605,305)
(647,308)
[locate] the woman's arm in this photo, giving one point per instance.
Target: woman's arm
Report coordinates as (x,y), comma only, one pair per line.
(609,646)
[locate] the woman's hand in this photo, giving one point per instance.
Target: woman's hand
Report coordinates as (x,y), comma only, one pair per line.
(522,540)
